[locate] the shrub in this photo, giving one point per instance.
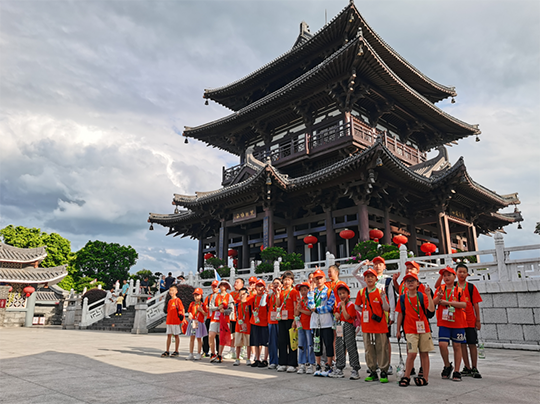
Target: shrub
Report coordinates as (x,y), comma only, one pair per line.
(367,250)
(264,268)
(271,254)
(94,295)
(216,263)
(224,272)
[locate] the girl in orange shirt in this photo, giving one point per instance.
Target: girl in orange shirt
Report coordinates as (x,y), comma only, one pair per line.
(196,327)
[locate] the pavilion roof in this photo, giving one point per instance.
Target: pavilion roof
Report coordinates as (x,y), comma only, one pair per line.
(382,82)
(33,275)
(342,27)
(10,253)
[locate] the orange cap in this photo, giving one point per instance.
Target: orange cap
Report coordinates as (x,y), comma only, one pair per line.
(297,287)
(215,284)
(370,271)
(253,279)
(447,269)
(319,274)
(343,286)
(378,259)
(413,263)
(198,291)
(409,276)
(260,282)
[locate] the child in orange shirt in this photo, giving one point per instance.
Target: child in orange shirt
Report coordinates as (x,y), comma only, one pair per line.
(451,321)
(411,311)
(306,355)
(223,305)
(345,314)
(372,302)
(243,327)
(286,301)
(196,327)
(273,333)
(258,338)
(175,315)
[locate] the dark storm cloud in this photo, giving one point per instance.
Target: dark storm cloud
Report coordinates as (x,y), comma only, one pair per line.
(95,94)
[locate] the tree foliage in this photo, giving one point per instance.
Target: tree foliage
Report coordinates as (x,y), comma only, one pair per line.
(106,262)
(145,273)
(288,261)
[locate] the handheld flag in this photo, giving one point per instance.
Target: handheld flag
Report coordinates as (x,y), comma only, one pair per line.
(218,278)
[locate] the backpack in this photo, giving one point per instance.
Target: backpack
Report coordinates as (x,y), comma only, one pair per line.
(470,287)
(420,297)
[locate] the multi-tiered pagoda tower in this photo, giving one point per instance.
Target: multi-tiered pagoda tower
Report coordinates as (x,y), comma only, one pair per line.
(333,134)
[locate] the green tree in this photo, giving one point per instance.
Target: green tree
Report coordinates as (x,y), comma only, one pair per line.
(106,262)
(145,273)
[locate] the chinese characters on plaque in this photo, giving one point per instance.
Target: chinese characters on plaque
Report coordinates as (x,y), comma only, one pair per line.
(244,214)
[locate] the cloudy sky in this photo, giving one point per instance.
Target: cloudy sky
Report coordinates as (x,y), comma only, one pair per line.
(94,94)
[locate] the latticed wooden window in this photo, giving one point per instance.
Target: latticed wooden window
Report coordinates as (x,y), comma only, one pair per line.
(16,298)
(16,265)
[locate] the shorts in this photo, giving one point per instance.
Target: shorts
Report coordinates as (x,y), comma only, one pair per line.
(173,329)
(471,335)
(214,327)
(455,334)
(232,325)
(326,338)
(241,339)
(258,336)
(419,342)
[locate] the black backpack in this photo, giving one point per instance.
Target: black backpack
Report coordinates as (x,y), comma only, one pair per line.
(420,297)
(470,287)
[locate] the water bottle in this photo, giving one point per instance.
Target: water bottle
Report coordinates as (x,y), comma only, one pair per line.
(481,350)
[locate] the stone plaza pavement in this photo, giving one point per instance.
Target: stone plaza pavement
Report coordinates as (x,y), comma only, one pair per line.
(50,365)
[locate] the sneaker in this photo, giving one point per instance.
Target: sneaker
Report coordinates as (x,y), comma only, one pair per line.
(384,377)
(206,355)
(281,368)
(228,355)
(301,370)
(291,369)
(219,359)
(243,353)
(272,366)
(263,364)
(197,357)
(338,374)
(354,375)
(213,358)
(190,357)
(107,317)
(318,370)
(390,370)
(255,364)
(248,362)
(475,373)
(236,362)
(328,371)
(373,377)
(466,372)
(309,369)
(447,371)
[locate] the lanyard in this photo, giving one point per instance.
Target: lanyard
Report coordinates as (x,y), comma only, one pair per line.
(242,310)
(446,293)
(196,308)
(318,298)
(417,308)
(366,295)
(286,298)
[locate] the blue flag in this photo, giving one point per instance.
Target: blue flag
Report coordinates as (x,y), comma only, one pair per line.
(218,278)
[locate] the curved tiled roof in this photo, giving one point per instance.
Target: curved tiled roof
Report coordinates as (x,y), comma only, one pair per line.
(33,275)
(9,253)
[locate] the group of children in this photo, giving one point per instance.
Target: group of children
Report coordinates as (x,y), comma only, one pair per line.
(265,321)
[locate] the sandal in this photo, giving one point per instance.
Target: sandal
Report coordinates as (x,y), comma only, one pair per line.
(447,371)
(165,354)
(405,381)
(456,377)
(175,353)
(420,381)
(420,372)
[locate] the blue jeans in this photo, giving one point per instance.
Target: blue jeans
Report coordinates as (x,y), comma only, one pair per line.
(273,344)
(305,347)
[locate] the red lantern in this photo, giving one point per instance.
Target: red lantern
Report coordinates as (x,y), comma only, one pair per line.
(376,235)
(346,234)
(28,290)
(207,256)
(400,239)
(232,253)
(262,247)
(454,251)
(428,248)
(310,240)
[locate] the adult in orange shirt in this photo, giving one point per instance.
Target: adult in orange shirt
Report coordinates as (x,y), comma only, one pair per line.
(175,316)
(286,301)
(451,321)
(258,337)
(411,314)
(273,324)
(372,303)
(207,300)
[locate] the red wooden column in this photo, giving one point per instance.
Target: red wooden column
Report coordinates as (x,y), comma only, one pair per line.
(387,238)
(268,227)
(412,244)
(291,240)
(245,251)
(443,231)
(330,233)
(363,222)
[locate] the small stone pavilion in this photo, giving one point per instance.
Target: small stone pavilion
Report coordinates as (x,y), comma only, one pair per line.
(24,285)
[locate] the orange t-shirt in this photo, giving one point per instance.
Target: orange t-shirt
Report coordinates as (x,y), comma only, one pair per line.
(195,310)
(272,307)
(255,303)
(350,309)
(174,307)
(368,324)
(469,310)
(332,285)
(288,300)
(402,288)
(455,294)
(244,316)
(413,313)
(305,319)
(220,300)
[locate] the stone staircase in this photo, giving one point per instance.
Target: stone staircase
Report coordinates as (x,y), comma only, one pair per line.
(123,323)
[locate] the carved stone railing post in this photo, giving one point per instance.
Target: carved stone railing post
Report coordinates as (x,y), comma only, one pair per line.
(403,258)
(141,306)
(500,256)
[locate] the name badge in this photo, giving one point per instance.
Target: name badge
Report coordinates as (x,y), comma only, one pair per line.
(284,314)
(420,327)
(339,331)
(216,315)
(365,316)
(273,316)
(243,327)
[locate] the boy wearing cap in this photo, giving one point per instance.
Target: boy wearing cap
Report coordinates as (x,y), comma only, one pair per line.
(372,303)
(258,337)
(321,302)
(238,284)
(412,267)
(222,305)
(286,302)
(345,314)
(207,300)
(302,313)
(451,321)
(251,288)
(243,327)
(412,315)
(273,324)
(196,328)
